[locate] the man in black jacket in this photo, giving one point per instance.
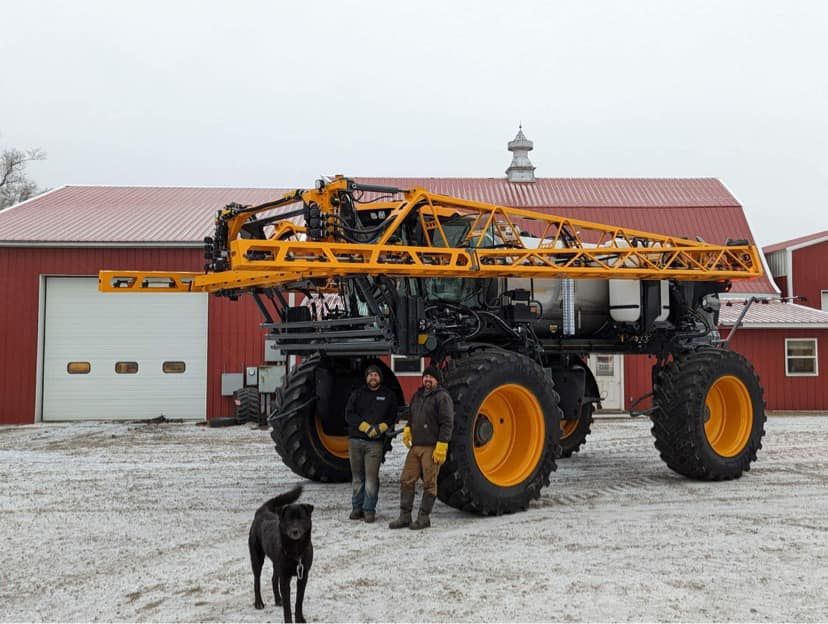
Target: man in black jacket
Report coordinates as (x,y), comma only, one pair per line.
(370,411)
(427,435)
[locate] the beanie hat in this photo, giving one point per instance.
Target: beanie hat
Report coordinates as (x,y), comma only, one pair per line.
(373,368)
(434,372)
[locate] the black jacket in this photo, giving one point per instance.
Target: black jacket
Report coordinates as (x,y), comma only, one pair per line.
(371,406)
(432,416)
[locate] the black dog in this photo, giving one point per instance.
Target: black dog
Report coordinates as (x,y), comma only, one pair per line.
(282,531)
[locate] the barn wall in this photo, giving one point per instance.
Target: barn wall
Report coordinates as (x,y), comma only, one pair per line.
(765,349)
(809,273)
(235,336)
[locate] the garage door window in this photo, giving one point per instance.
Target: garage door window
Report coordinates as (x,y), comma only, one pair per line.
(174,367)
(126,368)
(78,368)
(801,357)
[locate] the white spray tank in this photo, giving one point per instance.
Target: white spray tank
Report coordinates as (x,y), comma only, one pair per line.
(625,295)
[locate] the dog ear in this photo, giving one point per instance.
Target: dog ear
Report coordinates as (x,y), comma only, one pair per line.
(308,508)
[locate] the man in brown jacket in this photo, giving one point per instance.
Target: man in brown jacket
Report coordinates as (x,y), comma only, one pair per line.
(427,436)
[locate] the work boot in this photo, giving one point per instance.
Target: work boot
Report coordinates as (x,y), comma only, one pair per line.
(356,514)
(370,516)
(423,520)
(406,504)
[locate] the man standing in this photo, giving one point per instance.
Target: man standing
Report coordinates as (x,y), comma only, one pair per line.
(427,436)
(370,411)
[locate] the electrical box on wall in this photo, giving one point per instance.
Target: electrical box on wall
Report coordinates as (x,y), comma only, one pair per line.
(230,382)
(270,378)
(251,376)
(272,353)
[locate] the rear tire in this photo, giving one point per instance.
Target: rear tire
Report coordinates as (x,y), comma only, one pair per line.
(297,429)
(506,432)
(248,408)
(574,432)
(710,415)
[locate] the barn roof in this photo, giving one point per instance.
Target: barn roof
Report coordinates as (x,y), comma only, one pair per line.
(176,216)
(797,242)
(773,313)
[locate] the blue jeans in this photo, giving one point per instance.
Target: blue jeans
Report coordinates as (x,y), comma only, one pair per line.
(366,457)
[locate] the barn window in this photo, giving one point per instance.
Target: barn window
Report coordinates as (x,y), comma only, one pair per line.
(606,366)
(78,368)
(126,368)
(410,365)
(801,357)
(174,367)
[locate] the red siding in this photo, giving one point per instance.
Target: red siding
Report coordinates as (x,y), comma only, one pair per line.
(234,333)
(809,276)
(637,379)
(765,349)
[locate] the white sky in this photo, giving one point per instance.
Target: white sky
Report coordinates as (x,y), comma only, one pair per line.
(276,93)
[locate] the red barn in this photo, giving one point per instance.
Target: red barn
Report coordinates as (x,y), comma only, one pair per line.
(73,353)
(798,266)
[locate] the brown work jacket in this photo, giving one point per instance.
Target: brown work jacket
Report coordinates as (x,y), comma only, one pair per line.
(432,417)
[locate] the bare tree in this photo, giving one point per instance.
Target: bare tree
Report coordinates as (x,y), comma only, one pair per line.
(15,185)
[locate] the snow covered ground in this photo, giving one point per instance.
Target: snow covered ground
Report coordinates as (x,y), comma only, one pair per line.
(140,522)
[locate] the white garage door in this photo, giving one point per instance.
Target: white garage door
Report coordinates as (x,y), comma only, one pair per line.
(122,356)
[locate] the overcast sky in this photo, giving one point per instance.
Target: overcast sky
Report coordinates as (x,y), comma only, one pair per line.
(276,93)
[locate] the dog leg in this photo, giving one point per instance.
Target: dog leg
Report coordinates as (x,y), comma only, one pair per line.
(257,561)
(300,597)
(284,588)
(276,595)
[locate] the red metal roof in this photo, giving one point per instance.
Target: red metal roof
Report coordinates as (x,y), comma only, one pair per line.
(795,241)
(577,192)
(122,214)
(113,215)
(773,313)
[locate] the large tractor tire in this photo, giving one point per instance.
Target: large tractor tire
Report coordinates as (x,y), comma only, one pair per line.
(710,416)
(247,405)
(298,428)
(574,432)
(506,433)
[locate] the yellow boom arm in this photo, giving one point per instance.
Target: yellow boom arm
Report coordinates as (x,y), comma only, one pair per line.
(491,247)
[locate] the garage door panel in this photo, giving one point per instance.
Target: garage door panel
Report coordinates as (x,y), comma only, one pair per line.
(83,325)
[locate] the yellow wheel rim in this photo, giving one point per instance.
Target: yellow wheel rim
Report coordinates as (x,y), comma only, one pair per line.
(335,445)
(509,435)
(728,416)
(568,427)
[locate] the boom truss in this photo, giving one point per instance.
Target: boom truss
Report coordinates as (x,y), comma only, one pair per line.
(258,248)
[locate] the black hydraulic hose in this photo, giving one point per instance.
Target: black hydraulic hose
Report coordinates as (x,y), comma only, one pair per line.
(503,324)
(297,195)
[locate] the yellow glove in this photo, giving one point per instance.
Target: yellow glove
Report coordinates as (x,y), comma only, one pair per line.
(407,436)
(383,427)
(440,452)
(373,433)
(364,427)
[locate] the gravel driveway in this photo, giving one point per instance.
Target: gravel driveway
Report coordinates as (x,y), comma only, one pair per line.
(143,522)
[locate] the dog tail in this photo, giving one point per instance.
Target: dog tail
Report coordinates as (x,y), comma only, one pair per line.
(279,501)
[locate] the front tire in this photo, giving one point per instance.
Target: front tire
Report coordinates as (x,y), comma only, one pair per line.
(710,416)
(298,430)
(506,432)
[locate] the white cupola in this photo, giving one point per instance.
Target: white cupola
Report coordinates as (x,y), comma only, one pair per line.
(521,169)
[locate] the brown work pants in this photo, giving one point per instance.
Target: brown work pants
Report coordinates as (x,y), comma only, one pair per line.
(420,465)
